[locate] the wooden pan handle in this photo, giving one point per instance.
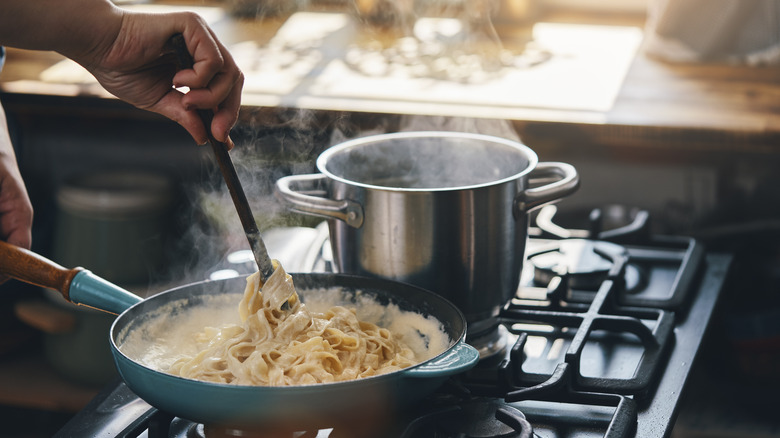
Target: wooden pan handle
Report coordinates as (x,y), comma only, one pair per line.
(33,268)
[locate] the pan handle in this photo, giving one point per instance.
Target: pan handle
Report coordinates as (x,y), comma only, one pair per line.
(87,289)
(77,285)
(458,359)
(29,267)
(298,191)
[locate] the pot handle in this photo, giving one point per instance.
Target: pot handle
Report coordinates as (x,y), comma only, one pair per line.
(458,359)
(568,183)
(299,191)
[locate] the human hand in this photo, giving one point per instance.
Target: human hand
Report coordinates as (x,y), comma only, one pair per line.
(139,68)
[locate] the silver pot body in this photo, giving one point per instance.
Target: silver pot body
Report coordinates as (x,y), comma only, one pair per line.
(445,211)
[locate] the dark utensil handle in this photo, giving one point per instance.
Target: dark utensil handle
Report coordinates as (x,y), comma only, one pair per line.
(222,154)
(29,267)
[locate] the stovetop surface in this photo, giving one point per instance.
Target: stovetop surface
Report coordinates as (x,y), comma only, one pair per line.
(604,354)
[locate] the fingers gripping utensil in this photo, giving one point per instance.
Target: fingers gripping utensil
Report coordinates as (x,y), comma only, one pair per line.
(184,59)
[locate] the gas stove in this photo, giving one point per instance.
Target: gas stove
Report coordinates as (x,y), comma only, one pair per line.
(599,341)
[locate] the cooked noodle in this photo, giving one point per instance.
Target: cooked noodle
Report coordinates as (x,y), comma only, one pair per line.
(281,342)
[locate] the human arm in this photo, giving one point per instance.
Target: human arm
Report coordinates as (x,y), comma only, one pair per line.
(16,212)
(127,53)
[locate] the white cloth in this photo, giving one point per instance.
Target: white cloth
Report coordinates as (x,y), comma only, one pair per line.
(740,31)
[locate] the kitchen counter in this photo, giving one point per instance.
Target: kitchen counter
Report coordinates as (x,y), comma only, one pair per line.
(561,80)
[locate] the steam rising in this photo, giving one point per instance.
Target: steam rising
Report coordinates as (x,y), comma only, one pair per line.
(264,152)
(272,143)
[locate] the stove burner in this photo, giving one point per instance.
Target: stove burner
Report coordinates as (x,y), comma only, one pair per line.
(584,263)
(181,428)
(478,418)
(270,432)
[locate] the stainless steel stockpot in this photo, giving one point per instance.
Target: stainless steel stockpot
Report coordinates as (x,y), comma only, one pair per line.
(446,211)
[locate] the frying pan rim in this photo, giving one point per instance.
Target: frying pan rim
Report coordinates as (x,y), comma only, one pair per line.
(289,388)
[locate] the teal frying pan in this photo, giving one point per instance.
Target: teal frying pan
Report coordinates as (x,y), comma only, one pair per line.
(250,407)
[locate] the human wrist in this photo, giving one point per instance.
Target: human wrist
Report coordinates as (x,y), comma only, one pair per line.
(77,29)
(87,39)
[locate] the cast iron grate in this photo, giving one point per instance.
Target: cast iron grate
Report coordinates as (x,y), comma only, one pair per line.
(572,326)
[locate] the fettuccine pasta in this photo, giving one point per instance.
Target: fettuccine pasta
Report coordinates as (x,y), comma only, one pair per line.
(281,342)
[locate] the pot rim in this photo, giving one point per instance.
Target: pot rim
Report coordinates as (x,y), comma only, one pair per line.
(323,158)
